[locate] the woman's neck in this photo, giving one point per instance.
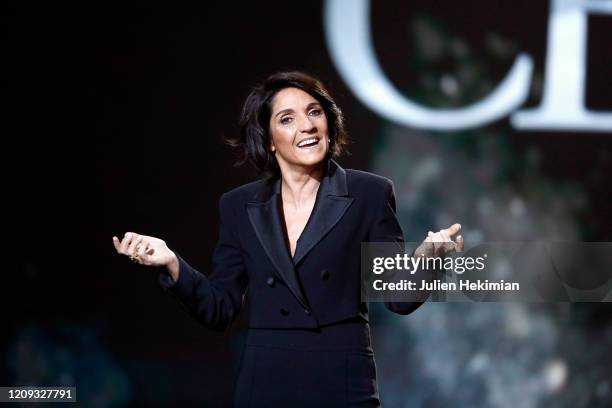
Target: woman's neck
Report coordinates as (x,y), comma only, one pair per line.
(300,185)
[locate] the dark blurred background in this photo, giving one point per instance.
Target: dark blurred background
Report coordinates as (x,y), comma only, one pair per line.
(114,123)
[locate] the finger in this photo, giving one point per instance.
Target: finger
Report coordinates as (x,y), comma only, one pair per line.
(136,249)
(447,245)
(427,247)
(460,243)
(142,254)
(432,243)
(431,249)
(453,229)
(127,238)
(116,243)
(133,245)
(136,259)
(437,237)
(445,236)
(437,242)
(142,250)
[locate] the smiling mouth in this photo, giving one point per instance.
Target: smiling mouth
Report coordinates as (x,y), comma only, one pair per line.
(310,142)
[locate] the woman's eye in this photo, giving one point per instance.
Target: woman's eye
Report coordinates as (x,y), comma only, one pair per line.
(315,112)
(286,120)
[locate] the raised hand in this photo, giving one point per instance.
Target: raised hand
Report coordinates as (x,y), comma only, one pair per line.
(440,243)
(144,249)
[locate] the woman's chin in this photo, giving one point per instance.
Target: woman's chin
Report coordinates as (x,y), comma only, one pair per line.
(308,162)
(312,160)
(312,155)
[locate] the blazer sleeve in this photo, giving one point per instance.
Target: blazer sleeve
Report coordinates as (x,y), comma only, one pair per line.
(386,228)
(213,300)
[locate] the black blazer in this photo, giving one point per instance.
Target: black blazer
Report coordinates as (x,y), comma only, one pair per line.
(320,285)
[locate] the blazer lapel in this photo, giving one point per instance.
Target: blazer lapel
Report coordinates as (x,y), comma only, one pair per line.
(331,204)
(266,220)
(265,216)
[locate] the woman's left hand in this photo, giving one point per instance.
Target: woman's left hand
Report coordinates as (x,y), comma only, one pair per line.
(440,244)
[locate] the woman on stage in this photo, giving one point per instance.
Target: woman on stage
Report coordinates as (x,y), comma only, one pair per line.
(293,238)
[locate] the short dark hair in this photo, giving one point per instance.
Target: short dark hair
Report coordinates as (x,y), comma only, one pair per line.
(254,140)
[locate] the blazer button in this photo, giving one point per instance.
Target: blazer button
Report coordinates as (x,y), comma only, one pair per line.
(270,281)
(325,274)
(284,311)
(307,311)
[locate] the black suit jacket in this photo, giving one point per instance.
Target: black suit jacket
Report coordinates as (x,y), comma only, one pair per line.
(320,285)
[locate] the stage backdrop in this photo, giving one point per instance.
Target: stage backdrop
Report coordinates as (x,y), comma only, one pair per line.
(496,114)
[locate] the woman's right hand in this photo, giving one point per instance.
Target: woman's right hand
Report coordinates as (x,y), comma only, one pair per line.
(147,250)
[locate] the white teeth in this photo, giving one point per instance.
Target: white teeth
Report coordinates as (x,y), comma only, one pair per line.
(307,141)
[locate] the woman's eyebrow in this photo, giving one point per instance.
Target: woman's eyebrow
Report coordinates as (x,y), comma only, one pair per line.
(284,111)
(310,105)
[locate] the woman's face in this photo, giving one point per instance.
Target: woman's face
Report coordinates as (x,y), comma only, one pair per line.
(298,129)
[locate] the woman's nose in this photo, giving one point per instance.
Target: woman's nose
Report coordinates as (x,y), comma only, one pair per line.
(307,125)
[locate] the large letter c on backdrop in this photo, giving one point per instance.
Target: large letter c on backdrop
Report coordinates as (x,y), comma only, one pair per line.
(347,29)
